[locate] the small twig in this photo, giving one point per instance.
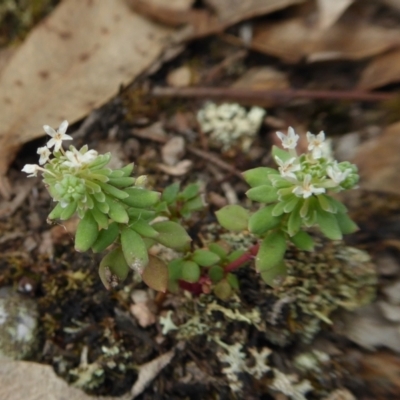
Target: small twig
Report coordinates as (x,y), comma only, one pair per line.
(215,160)
(279,95)
(243,259)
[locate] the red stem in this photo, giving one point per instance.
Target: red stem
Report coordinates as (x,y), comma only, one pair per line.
(243,259)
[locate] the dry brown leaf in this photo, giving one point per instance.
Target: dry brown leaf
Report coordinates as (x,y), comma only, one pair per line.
(263,78)
(297,38)
(368,328)
(330,11)
(181,168)
(74,61)
(392,3)
(239,10)
(148,371)
(180,77)
(382,371)
(31,381)
(173,150)
(381,71)
(378,161)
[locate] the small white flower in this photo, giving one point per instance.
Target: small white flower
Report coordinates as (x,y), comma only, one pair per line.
(316,144)
(32,169)
(305,189)
(336,174)
(288,167)
(44,153)
(289,141)
(76,159)
(58,136)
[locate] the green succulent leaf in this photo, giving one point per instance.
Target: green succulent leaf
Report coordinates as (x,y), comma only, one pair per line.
(172,235)
(86,233)
(190,271)
(170,193)
(346,224)
(234,255)
(113,191)
(128,169)
(232,279)
(294,222)
(271,252)
(274,276)
(123,182)
(282,154)
(218,250)
(303,241)
(263,194)
(216,273)
(175,269)
(195,204)
(101,218)
(100,161)
(278,209)
(258,176)
(328,224)
(263,220)
(68,211)
(117,211)
(113,268)
(205,258)
(223,290)
(106,237)
(233,217)
(340,207)
(141,213)
(141,198)
(190,191)
(144,229)
(155,274)
(56,212)
(134,249)
(326,204)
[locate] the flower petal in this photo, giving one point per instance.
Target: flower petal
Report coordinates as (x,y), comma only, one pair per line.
(49,130)
(63,127)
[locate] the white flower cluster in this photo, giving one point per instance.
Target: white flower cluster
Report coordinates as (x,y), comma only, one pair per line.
(230,124)
(315,172)
(71,158)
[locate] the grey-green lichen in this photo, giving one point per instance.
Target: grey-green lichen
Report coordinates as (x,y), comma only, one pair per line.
(18,325)
(331,277)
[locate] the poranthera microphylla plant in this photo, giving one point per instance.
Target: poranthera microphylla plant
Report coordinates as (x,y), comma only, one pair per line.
(119,215)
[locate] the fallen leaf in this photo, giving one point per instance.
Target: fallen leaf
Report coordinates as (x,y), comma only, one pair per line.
(330,11)
(381,370)
(369,329)
(148,371)
(28,380)
(296,38)
(235,11)
(378,161)
(181,168)
(143,314)
(180,77)
(263,78)
(381,71)
(72,62)
(392,3)
(173,150)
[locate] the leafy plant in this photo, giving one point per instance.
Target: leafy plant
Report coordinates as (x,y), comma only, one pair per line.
(118,214)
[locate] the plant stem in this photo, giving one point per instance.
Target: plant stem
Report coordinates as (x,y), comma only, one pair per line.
(243,259)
